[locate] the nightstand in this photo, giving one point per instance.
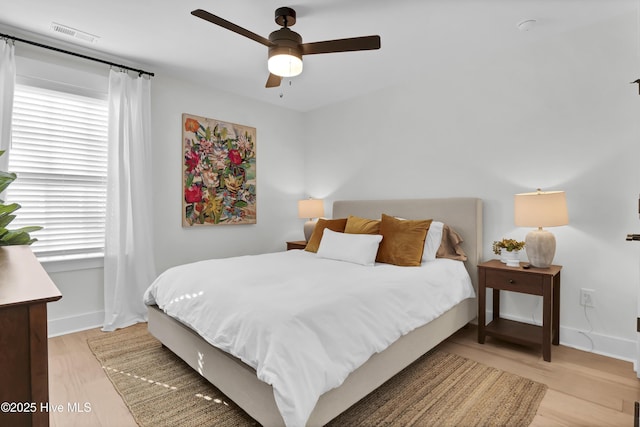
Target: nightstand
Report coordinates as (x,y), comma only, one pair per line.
(534,281)
(298,244)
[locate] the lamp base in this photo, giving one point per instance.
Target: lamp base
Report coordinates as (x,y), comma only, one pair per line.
(540,246)
(308,229)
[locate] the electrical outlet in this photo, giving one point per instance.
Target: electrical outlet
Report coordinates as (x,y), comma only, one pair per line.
(587,297)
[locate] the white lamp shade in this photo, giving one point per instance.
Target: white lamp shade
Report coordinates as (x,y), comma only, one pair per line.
(310,208)
(541,209)
(285,65)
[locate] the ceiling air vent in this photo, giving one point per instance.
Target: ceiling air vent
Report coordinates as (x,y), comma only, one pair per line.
(72,32)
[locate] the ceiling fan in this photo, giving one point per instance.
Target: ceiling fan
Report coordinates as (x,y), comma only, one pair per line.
(286,47)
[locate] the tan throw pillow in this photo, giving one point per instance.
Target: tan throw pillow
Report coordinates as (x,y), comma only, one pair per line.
(332,224)
(402,240)
(357,225)
(450,246)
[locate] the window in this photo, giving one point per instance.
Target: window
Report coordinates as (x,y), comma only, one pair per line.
(59,152)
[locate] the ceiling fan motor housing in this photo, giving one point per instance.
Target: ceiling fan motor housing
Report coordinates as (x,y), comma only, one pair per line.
(286,47)
(285,38)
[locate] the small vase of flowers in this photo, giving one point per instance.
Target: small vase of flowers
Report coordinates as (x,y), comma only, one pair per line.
(509,251)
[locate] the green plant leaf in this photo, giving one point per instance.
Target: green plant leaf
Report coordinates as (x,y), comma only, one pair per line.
(28,229)
(6,178)
(5,219)
(7,209)
(12,237)
(16,237)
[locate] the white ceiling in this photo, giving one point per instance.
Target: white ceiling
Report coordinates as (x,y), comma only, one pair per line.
(162,36)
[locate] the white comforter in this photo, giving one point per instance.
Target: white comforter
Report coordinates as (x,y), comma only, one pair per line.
(302,322)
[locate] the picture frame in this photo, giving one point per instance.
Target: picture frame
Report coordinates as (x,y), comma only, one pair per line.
(218,172)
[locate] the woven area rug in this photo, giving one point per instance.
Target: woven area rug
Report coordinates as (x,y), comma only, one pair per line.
(439,389)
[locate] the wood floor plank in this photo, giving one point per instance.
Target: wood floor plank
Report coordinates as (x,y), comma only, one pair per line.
(564,409)
(587,376)
(76,377)
(585,389)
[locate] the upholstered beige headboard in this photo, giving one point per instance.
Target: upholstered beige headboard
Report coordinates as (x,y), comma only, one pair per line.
(463,214)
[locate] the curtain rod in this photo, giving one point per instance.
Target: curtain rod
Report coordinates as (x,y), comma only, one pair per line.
(6,36)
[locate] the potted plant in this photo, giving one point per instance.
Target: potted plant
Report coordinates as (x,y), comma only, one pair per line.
(18,236)
(509,251)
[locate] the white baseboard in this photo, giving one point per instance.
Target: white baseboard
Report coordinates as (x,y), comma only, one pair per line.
(593,342)
(616,347)
(81,322)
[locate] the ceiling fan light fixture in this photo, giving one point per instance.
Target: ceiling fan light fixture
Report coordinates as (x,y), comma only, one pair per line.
(287,63)
(286,47)
(285,55)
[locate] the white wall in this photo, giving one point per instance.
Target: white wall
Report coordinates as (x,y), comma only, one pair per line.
(559,115)
(279,168)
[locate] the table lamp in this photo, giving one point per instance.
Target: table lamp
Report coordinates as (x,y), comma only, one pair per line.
(310,209)
(540,209)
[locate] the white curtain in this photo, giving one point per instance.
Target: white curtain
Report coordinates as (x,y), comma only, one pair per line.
(7,86)
(128,264)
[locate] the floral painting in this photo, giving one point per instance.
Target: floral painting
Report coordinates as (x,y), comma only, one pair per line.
(219,172)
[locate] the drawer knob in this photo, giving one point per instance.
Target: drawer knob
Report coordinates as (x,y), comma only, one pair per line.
(511,281)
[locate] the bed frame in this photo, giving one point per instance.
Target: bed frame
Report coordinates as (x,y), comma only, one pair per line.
(239,382)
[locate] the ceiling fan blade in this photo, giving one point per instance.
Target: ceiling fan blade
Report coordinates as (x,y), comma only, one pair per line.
(273,81)
(203,14)
(341,45)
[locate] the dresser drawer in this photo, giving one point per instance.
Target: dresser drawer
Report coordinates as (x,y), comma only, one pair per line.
(514,281)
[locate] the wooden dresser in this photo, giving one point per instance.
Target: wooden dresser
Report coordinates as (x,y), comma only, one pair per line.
(25,290)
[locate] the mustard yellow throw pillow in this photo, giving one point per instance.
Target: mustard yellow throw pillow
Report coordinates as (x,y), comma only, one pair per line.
(332,224)
(402,240)
(357,225)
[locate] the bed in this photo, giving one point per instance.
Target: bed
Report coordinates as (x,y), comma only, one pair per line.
(239,381)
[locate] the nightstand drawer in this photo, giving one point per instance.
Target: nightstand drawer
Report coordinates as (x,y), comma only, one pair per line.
(514,281)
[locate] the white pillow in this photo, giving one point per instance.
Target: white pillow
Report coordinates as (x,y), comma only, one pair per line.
(433,241)
(355,248)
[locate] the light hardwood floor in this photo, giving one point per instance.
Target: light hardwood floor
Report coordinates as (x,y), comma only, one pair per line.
(585,389)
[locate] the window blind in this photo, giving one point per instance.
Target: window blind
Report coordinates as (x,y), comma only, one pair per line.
(59,152)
